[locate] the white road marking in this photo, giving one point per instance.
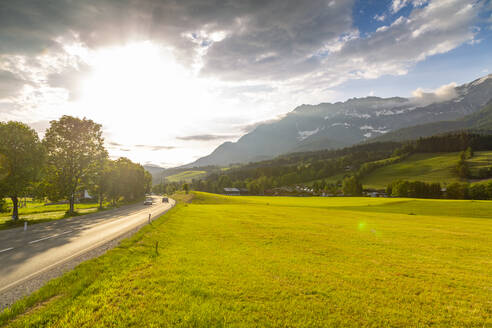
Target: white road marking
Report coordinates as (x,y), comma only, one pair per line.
(6,249)
(80,252)
(38,240)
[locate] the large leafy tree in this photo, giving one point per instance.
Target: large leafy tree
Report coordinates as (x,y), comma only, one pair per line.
(21,161)
(73,147)
(127,180)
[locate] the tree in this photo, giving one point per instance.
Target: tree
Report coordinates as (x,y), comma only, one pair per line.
(22,160)
(186,188)
(127,179)
(457,191)
(352,186)
(99,182)
(73,146)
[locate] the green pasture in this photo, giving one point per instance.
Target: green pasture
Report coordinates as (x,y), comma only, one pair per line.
(480,159)
(284,262)
(428,167)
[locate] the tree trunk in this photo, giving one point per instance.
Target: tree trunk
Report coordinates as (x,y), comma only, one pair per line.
(72,200)
(100,201)
(15,211)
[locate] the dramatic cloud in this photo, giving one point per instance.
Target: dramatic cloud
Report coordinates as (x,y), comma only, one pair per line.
(443,93)
(247,40)
(206,137)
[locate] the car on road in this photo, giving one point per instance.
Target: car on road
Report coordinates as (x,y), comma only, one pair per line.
(148,201)
(165,200)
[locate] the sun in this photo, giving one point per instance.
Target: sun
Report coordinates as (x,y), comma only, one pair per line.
(142,94)
(139,74)
(140,78)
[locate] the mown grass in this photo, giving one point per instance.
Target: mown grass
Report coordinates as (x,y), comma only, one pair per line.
(186,176)
(37,212)
(282,261)
(428,167)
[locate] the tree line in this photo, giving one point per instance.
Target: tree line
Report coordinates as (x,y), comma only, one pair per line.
(455,190)
(70,158)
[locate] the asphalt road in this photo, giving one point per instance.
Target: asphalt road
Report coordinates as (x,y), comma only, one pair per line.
(27,254)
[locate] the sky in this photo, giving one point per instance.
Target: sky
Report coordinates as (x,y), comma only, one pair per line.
(171,80)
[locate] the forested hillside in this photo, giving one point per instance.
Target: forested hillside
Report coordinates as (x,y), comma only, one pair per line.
(351,166)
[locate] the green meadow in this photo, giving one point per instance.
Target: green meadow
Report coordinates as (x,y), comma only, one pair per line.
(428,167)
(480,160)
(222,261)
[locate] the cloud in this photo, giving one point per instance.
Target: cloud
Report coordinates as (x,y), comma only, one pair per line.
(155,148)
(249,36)
(278,40)
(291,42)
(251,126)
(40,126)
(122,147)
(10,84)
(397,5)
(207,137)
(380,18)
(443,93)
(394,48)
(70,79)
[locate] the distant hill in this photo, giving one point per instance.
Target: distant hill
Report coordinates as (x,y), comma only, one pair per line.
(341,124)
(481,120)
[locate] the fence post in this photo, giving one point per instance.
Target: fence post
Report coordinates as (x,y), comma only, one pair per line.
(25,225)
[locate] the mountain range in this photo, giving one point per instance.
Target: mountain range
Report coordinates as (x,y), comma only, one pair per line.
(341,124)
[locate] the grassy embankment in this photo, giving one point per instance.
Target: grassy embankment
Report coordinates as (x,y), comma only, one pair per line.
(297,262)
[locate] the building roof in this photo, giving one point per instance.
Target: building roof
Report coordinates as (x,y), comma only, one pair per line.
(231,189)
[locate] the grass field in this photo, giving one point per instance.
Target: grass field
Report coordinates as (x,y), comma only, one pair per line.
(428,167)
(277,262)
(186,176)
(36,212)
(480,159)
